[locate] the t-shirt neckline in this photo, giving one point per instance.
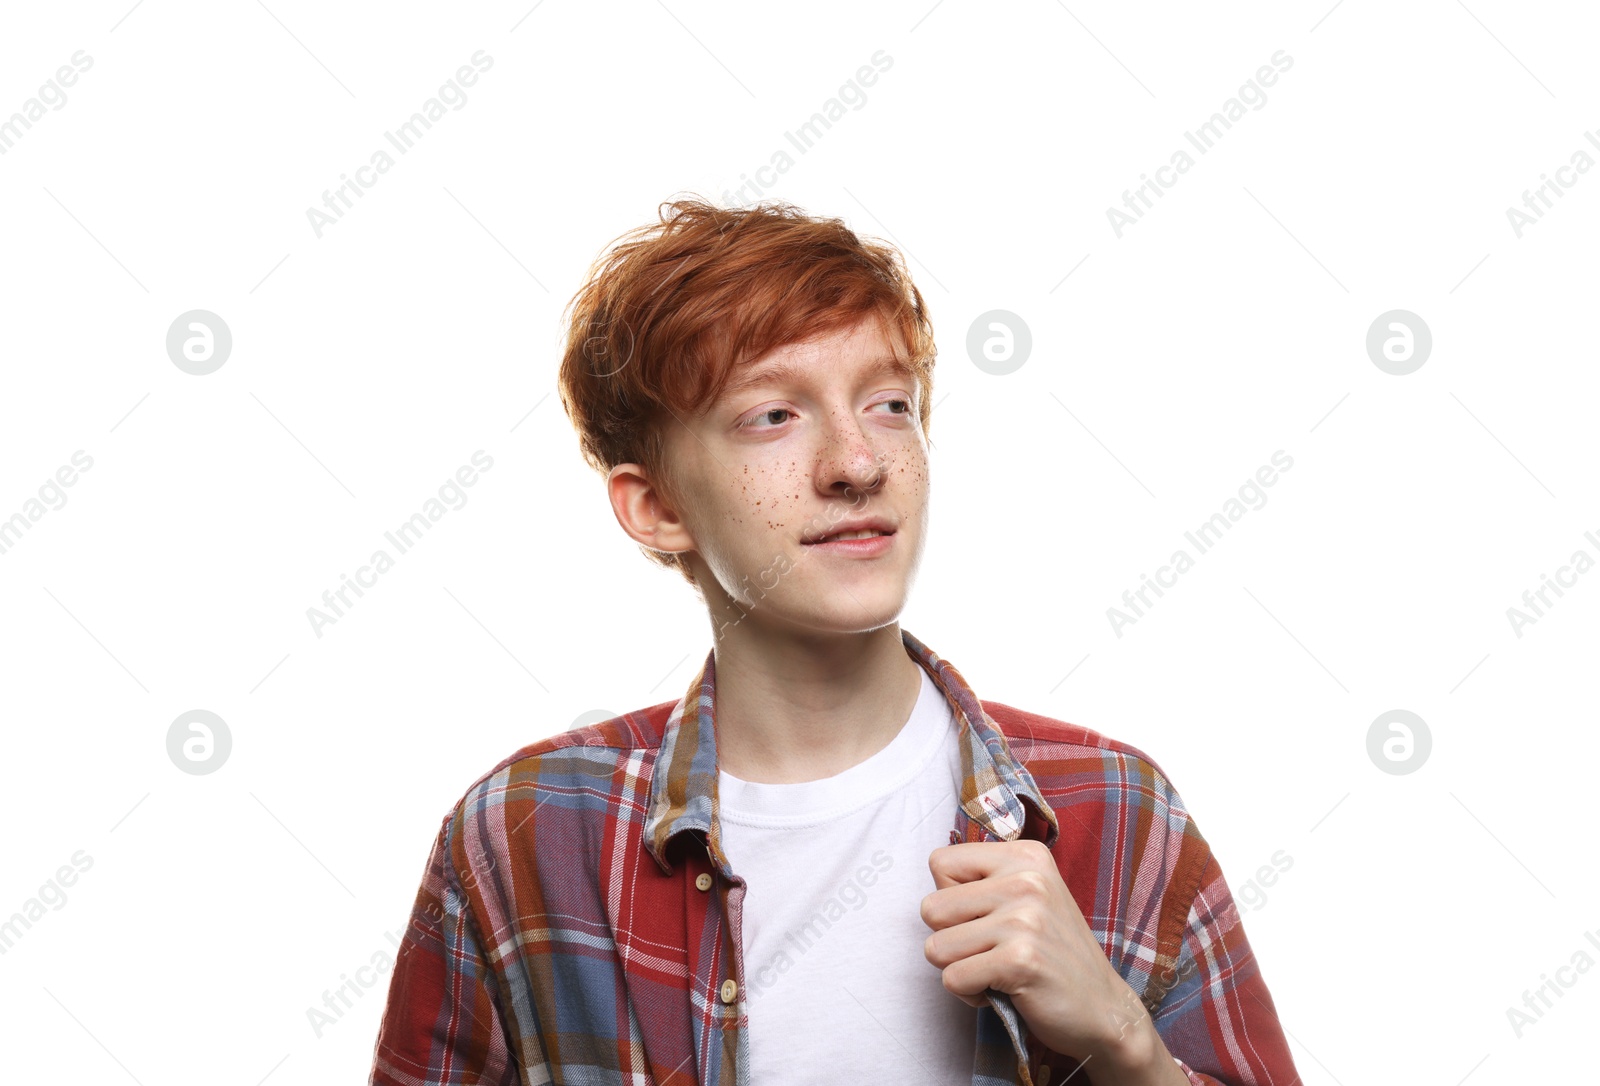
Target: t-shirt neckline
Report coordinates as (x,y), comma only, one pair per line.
(802,803)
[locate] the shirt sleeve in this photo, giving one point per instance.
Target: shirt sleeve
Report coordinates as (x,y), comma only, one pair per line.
(442,1023)
(1218,1019)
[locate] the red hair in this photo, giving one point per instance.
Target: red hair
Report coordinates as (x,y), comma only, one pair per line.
(671,308)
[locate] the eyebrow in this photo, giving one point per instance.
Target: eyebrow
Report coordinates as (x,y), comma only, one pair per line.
(788,371)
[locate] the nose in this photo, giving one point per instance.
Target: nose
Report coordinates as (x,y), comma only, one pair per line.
(850,458)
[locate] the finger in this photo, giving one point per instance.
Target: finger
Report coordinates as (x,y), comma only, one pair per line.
(961,902)
(949,945)
(969,977)
(968,861)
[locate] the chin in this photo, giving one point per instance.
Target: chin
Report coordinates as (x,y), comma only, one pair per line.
(860,612)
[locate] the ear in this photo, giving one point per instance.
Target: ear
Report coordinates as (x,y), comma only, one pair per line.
(643,511)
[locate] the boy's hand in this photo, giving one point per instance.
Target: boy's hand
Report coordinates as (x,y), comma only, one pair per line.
(1003,918)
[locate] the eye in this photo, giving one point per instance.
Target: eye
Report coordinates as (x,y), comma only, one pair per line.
(750,423)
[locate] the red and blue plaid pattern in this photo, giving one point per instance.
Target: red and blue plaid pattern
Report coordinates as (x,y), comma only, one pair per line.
(578,921)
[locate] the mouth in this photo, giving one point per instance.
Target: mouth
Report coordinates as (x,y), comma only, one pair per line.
(863,533)
(864,543)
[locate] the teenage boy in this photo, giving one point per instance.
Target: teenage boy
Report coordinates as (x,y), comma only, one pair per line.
(829,861)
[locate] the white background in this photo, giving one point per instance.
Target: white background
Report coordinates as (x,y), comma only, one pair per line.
(1168,365)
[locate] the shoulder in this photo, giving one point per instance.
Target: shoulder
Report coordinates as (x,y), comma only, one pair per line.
(597,765)
(1058,753)
(1102,786)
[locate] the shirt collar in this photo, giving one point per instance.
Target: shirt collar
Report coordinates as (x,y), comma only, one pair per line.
(683,785)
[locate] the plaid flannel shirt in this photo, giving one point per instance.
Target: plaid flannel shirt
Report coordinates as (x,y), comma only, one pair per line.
(578,921)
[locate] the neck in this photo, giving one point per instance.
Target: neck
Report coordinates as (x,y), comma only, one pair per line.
(801,706)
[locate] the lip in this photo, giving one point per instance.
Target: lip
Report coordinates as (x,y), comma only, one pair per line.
(870,547)
(856,524)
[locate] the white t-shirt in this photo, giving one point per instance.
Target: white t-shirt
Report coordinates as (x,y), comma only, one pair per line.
(837,985)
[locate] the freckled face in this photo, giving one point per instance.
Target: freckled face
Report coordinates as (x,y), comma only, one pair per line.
(828,430)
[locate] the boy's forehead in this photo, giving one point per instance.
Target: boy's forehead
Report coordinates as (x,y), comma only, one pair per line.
(815,360)
(821,351)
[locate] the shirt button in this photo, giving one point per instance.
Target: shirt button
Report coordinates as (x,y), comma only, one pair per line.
(730,991)
(702,881)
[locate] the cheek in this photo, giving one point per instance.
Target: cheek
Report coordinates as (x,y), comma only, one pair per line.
(768,502)
(909,476)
